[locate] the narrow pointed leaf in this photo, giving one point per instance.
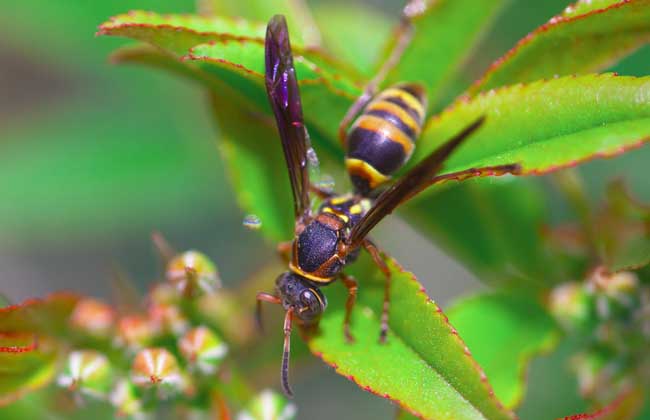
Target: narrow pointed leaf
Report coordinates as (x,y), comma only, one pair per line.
(444,36)
(26,364)
(424,367)
(547,125)
(504,331)
(586,38)
(178,33)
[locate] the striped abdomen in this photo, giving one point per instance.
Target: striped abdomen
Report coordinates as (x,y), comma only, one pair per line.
(382,139)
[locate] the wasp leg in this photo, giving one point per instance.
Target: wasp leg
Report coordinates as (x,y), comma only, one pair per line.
(404,36)
(351,284)
(377,258)
(284,249)
(263,297)
(321,193)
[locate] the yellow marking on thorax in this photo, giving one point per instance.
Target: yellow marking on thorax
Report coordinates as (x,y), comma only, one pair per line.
(356,209)
(339,200)
(315,279)
(397,111)
(338,214)
(380,125)
(406,97)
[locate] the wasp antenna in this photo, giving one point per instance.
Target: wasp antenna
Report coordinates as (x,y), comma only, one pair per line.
(285,354)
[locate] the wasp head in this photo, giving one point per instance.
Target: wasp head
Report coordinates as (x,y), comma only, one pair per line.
(300,295)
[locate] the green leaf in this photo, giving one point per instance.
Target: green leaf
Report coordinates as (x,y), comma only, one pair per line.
(626,407)
(255,166)
(547,125)
(587,38)
(635,254)
(424,367)
(444,35)
(504,331)
(299,20)
(359,45)
(325,95)
(248,143)
(178,33)
(38,316)
(492,226)
(25,365)
(405,415)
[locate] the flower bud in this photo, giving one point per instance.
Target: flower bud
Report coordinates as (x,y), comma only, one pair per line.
(88,372)
(93,317)
(203,349)
(572,306)
(193,273)
(164,294)
(125,399)
(135,332)
(268,405)
(615,293)
(168,318)
(600,373)
(157,367)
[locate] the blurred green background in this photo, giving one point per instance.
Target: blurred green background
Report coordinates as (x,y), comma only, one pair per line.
(94,157)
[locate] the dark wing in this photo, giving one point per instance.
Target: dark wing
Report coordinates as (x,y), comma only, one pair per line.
(410,184)
(284,96)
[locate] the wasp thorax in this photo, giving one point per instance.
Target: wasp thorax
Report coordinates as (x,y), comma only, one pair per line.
(300,295)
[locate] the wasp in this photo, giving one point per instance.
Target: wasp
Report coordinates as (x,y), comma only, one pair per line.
(379,142)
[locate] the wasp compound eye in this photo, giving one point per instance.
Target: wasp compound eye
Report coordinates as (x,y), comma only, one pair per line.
(312,305)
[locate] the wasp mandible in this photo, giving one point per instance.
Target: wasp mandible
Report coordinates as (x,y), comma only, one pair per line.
(379,142)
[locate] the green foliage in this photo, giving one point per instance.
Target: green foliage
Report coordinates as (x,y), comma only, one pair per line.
(586,38)
(106,146)
(424,352)
(179,33)
(49,315)
(545,110)
(546,133)
(296,11)
(358,45)
(445,34)
(535,125)
(493,226)
(504,330)
(25,365)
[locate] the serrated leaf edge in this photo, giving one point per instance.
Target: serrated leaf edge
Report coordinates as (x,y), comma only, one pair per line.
(422,293)
(555,21)
(18,349)
(522,86)
(258,77)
